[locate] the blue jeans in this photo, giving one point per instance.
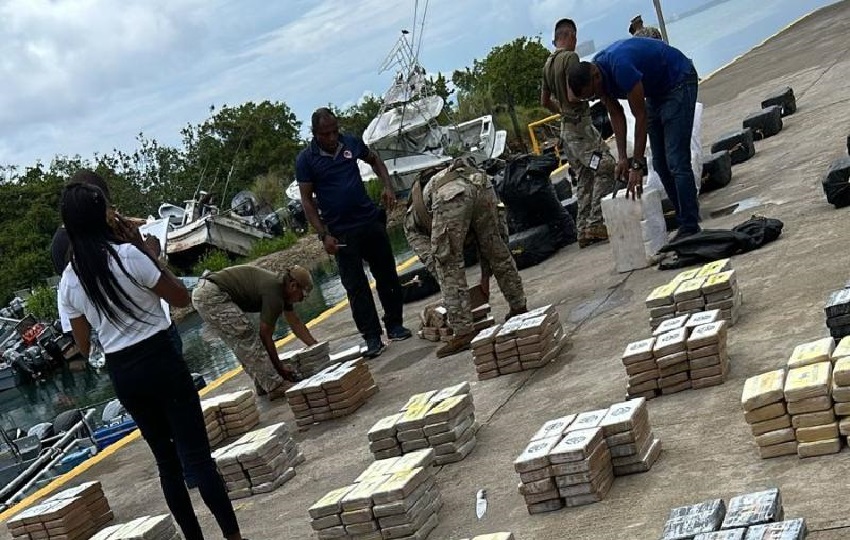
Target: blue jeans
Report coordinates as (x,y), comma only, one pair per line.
(670,123)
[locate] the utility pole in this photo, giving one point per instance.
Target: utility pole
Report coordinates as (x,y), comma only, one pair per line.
(661,25)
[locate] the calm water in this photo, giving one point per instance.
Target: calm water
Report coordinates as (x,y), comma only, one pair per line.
(711,37)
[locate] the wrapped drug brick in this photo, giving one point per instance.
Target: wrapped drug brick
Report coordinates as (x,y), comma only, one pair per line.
(484,353)
(836,183)
(708,361)
(763,401)
(641,368)
(754,509)
(840,391)
(716,171)
(838,314)
(258,462)
(686,522)
(794,529)
(537,483)
(661,304)
(493,536)
(812,352)
(72,514)
(738,143)
(670,354)
(629,437)
(336,391)
(783,98)
(816,432)
(308,361)
(230,415)
(765,123)
(721,292)
(144,528)
(728,534)
(581,464)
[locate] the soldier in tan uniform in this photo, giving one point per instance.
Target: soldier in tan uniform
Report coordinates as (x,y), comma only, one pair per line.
(223,298)
(456,202)
(637,29)
(584,148)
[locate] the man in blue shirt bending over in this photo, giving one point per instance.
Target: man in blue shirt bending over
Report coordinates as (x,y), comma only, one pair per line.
(352,228)
(660,84)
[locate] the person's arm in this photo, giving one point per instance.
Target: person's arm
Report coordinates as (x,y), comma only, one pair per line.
(171,289)
(267,337)
(637,104)
(547,102)
(420,243)
(618,125)
(312,213)
(299,328)
(81,331)
(380,169)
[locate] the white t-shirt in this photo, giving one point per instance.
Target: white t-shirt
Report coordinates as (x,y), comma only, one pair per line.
(151,317)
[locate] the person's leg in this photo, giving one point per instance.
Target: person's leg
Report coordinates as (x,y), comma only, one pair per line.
(349,260)
(238,333)
(450,225)
(655,133)
(677,116)
(378,253)
(603,185)
(485,223)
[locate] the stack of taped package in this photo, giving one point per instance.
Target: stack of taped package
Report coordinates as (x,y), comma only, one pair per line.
(308,361)
(837,311)
(808,393)
(569,461)
(526,341)
(765,410)
(392,498)
(230,415)
(685,352)
(143,528)
(258,462)
(440,419)
(338,390)
(493,536)
(753,516)
(72,514)
(713,286)
(434,322)
(841,386)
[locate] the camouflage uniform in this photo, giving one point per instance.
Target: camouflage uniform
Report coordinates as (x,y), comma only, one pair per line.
(237,331)
(649,32)
(461,200)
(579,139)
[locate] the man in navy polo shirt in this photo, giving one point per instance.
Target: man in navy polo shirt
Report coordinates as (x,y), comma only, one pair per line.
(660,84)
(352,228)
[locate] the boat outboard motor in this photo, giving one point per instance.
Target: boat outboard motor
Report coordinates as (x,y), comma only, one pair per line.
(271,224)
(37,357)
(296,215)
(43,430)
(113,411)
(244,204)
(17,307)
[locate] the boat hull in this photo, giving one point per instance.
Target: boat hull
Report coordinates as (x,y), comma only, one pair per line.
(186,244)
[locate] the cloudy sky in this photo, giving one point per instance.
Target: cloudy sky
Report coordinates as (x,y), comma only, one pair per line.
(86,76)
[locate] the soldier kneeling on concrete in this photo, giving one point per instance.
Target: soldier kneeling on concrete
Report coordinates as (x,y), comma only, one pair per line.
(446,207)
(223,298)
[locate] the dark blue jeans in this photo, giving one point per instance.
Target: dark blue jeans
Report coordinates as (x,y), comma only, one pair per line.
(671,121)
(370,243)
(154,385)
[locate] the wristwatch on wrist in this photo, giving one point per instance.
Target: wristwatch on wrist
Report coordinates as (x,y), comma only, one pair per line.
(638,164)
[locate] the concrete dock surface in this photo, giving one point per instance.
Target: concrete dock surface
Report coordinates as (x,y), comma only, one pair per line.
(708,449)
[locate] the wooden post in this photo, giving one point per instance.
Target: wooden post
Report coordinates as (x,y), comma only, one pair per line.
(661,25)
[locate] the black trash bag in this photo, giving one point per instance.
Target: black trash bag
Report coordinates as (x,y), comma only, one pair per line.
(784,98)
(563,188)
(417,283)
(600,119)
(532,246)
(716,171)
(765,123)
(713,244)
(530,198)
(571,206)
(836,183)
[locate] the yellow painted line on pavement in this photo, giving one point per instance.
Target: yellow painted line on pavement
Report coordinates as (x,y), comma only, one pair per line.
(60,481)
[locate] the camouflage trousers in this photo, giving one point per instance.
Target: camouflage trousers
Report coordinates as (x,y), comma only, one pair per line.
(237,331)
(458,207)
(579,141)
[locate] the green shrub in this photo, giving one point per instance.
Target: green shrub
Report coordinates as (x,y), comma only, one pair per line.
(42,304)
(267,246)
(213,260)
(374,188)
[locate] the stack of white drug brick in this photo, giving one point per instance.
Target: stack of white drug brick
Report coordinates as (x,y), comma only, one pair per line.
(440,419)
(685,352)
(392,498)
(308,361)
(258,462)
(336,391)
(526,341)
(569,460)
(143,528)
(765,410)
(72,514)
(230,415)
(808,393)
(434,322)
(713,286)
(841,385)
